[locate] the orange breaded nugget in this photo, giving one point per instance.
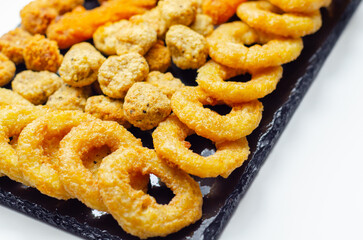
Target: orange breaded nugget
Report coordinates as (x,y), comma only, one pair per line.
(158,57)
(221,10)
(7,70)
(37,15)
(42,54)
(80,24)
(12,44)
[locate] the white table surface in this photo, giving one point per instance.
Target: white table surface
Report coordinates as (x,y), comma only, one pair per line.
(311,184)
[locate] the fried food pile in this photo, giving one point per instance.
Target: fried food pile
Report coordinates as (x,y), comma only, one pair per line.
(64,120)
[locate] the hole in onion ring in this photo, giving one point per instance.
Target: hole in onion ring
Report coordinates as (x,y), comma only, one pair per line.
(145,136)
(93,157)
(201,145)
(240,78)
(220,109)
(158,190)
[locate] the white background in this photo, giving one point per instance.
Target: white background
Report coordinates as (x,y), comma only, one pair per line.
(311,186)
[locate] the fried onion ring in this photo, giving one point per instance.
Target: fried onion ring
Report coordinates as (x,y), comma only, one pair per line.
(13,119)
(227,46)
(38,147)
(211,78)
(81,181)
(187,104)
(169,142)
(266,17)
(138,213)
(300,6)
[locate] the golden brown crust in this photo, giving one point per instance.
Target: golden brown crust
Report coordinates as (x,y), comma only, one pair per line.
(158,57)
(7,70)
(12,44)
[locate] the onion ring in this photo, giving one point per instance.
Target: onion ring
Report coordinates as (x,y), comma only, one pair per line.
(226,46)
(169,143)
(78,180)
(266,17)
(211,78)
(38,147)
(138,213)
(300,6)
(187,104)
(9,97)
(13,119)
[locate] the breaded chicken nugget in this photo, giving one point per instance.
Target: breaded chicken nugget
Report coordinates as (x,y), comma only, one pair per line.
(178,11)
(9,97)
(203,24)
(80,24)
(37,15)
(154,19)
(146,106)
(36,87)
(105,37)
(188,48)
(42,54)
(107,109)
(135,37)
(158,57)
(80,65)
(69,98)
(12,44)
(118,73)
(7,70)
(166,82)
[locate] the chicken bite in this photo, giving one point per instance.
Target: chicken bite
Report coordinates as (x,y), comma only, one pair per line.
(188,48)
(154,19)
(107,109)
(69,98)
(165,82)
(80,65)
(36,87)
(146,106)
(118,73)
(158,57)
(12,44)
(7,70)
(178,11)
(203,24)
(42,54)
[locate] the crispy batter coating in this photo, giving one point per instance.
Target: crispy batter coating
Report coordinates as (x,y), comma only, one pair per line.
(77,172)
(146,106)
(13,119)
(203,24)
(37,15)
(165,82)
(118,73)
(108,109)
(9,97)
(12,44)
(36,87)
(178,11)
(38,147)
(188,104)
(105,37)
(227,46)
(135,37)
(80,24)
(154,19)
(69,98)
(188,48)
(212,79)
(7,70)
(158,57)
(300,6)
(80,65)
(266,17)
(169,142)
(220,10)
(137,212)
(42,54)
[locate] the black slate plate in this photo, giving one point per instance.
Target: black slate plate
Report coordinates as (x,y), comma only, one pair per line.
(221,196)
